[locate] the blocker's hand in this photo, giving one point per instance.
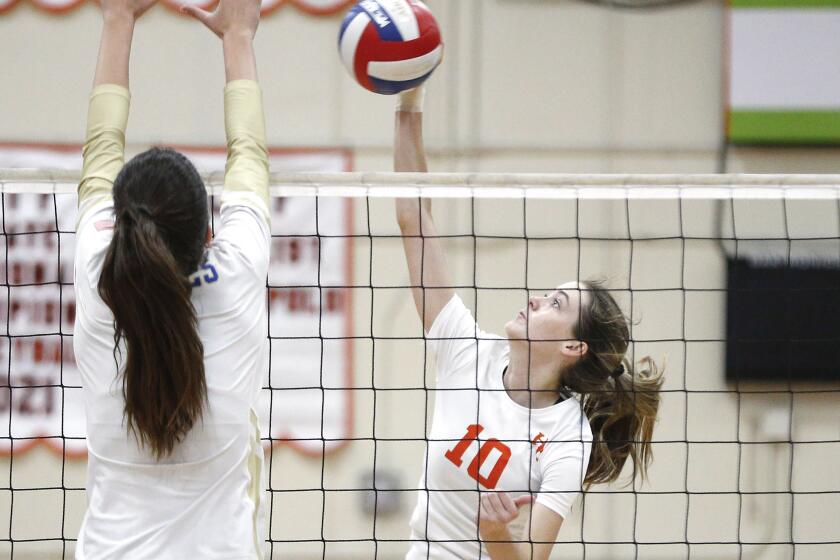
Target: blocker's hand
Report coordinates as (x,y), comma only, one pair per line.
(498,509)
(230,18)
(131,9)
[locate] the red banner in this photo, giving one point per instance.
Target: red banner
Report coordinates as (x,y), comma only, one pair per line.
(314,7)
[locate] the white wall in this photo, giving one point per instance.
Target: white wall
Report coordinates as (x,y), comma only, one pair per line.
(526,86)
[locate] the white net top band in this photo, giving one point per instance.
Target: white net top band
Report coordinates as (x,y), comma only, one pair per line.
(487,185)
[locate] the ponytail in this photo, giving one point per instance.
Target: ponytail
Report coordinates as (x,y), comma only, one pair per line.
(620,400)
(149,295)
(621,417)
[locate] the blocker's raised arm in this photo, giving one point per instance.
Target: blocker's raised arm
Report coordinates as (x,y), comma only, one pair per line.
(104,148)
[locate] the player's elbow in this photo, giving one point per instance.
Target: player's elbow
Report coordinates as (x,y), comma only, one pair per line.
(245,146)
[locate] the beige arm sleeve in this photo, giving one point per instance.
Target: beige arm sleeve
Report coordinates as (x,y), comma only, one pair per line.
(104,150)
(246,173)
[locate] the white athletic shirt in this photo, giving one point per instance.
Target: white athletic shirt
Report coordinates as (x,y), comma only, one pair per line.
(543,451)
(205,501)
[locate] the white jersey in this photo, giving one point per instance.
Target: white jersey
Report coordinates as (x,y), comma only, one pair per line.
(543,451)
(205,500)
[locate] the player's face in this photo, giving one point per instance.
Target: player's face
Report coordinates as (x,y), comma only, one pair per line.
(552,316)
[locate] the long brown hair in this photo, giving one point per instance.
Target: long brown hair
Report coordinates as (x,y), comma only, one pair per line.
(160,204)
(620,400)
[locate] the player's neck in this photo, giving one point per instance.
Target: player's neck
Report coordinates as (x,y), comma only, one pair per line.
(527,382)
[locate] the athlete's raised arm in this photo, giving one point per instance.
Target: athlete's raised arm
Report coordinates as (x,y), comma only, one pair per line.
(246,173)
(104,148)
(423,251)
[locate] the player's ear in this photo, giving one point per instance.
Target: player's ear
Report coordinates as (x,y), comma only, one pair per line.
(574,348)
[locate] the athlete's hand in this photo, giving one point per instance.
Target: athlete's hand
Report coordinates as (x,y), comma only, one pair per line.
(498,509)
(131,9)
(238,18)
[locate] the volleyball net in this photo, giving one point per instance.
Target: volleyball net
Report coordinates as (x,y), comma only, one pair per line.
(733,281)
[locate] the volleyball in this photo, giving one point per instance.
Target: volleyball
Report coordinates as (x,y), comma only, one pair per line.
(389,46)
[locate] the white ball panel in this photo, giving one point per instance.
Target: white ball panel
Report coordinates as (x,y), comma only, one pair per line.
(404,70)
(350,40)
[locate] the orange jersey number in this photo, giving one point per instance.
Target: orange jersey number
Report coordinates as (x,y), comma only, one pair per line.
(456,454)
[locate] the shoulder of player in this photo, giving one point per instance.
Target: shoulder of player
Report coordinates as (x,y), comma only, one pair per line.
(227,256)
(222,272)
(96,219)
(492,353)
(569,423)
(92,241)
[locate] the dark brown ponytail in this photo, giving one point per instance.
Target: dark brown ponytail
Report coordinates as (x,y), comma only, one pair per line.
(620,400)
(161,216)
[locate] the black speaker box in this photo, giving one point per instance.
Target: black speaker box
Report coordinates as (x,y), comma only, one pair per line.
(782,321)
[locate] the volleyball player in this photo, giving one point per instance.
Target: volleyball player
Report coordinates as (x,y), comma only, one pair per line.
(170,334)
(533,417)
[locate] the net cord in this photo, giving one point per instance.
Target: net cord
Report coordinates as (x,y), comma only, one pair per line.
(487,185)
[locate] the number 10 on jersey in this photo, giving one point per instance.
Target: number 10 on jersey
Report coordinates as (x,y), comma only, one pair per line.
(456,455)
